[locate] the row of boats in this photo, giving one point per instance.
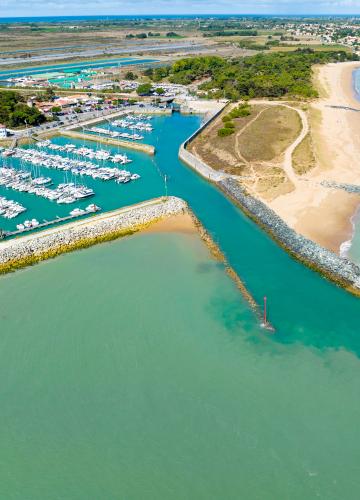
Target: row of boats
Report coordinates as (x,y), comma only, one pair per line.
(76,167)
(115,134)
(77,212)
(22,182)
(9,209)
(132,123)
(99,154)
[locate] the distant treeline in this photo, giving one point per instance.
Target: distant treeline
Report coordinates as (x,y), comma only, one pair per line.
(170,34)
(251,45)
(262,75)
(231,33)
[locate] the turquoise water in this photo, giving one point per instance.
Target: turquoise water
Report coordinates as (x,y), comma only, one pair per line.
(356,82)
(78,66)
(185,400)
(136,370)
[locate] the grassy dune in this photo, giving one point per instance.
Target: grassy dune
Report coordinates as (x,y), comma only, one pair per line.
(269,136)
(303,157)
(220,153)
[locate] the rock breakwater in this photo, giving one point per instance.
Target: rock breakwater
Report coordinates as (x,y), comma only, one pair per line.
(338,269)
(349,188)
(27,250)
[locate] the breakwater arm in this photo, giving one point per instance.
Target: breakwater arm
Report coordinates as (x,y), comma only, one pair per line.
(195,163)
(338,269)
(136,146)
(27,250)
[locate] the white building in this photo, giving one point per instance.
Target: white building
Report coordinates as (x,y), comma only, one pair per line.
(3,132)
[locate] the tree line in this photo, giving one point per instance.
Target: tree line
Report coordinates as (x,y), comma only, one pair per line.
(14,111)
(275,74)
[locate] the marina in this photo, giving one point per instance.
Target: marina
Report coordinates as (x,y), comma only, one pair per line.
(114,134)
(135,123)
(110,141)
(22,182)
(49,175)
(9,209)
(32,224)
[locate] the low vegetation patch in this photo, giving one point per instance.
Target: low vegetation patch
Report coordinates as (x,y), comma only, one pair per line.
(270,134)
(229,126)
(219,152)
(304,157)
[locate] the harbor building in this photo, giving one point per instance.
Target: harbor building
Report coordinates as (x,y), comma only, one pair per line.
(3,132)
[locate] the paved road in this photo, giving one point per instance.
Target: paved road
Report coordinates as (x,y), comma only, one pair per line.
(105,51)
(66,121)
(77,120)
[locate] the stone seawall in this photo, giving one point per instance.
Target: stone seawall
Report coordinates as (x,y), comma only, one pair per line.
(27,250)
(198,165)
(192,161)
(338,269)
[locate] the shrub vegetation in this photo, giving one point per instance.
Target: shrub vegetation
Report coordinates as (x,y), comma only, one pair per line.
(14,112)
(275,74)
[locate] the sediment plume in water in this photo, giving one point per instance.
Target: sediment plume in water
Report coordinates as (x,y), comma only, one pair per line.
(218,255)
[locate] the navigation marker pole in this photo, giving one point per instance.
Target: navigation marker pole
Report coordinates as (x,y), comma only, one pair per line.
(265,311)
(266,324)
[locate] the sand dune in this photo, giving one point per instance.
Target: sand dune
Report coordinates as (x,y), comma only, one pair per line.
(317,212)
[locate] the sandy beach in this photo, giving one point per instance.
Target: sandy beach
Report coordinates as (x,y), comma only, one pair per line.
(182,223)
(319,213)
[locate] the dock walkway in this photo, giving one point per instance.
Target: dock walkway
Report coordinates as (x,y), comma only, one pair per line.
(136,146)
(46,223)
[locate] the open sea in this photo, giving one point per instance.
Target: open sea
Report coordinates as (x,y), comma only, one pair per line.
(109,18)
(352,248)
(136,370)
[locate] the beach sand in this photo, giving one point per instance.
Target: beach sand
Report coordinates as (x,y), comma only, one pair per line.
(319,213)
(182,223)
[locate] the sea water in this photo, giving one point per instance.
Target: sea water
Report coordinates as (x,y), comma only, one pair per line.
(136,370)
(351,248)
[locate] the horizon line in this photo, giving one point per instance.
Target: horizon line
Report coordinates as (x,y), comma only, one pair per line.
(317,14)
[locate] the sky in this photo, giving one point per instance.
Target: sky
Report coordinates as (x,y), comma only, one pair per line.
(139,7)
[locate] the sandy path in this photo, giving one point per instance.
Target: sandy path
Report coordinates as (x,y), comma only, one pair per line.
(288,157)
